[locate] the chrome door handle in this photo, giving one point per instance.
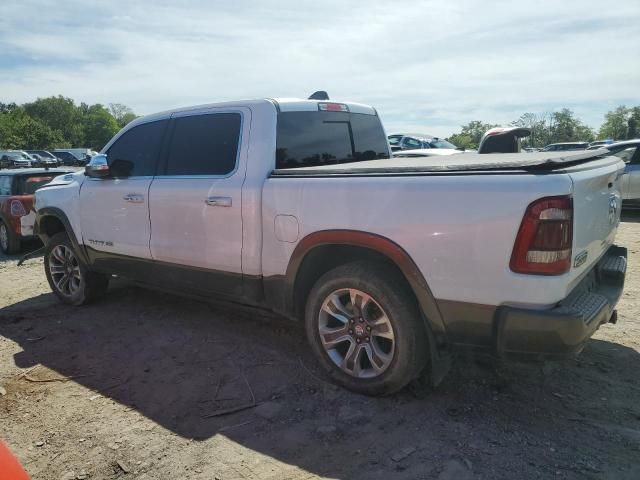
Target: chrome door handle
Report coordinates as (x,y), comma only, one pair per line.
(218,201)
(134,198)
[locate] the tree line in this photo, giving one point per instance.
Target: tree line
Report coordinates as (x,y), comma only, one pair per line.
(57,122)
(562,126)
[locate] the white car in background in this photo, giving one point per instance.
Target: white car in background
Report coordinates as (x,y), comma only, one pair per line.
(629,152)
(401,142)
(495,140)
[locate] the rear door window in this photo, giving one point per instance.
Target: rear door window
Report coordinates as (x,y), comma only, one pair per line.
(136,152)
(204,144)
(306,139)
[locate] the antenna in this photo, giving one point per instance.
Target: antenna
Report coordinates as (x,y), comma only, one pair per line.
(319,95)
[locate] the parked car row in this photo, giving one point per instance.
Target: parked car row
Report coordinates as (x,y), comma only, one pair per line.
(45,158)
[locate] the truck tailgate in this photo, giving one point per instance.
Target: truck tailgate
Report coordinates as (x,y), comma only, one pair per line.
(597,205)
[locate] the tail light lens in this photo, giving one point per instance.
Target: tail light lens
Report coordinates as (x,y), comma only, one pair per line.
(543,244)
(17,209)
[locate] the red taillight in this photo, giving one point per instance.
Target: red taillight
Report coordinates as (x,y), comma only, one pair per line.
(543,244)
(333,107)
(17,209)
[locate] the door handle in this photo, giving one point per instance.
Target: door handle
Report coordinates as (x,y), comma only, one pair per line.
(218,201)
(134,198)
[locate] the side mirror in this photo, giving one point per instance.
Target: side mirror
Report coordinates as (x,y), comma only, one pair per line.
(98,167)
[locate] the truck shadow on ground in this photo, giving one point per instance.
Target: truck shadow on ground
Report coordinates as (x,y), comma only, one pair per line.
(181,363)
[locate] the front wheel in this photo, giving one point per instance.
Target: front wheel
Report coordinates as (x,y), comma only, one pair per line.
(68,277)
(366,329)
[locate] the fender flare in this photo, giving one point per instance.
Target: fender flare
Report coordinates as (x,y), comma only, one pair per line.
(383,245)
(431,315)
(60,215)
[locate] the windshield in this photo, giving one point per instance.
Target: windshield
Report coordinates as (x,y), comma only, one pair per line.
(438,143)
(395,140)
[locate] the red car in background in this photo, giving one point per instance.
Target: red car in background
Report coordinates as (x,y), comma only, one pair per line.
(17,214)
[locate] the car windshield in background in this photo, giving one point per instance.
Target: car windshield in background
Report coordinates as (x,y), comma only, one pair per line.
(394,140)
(306,139)
(27,185)
(437,143)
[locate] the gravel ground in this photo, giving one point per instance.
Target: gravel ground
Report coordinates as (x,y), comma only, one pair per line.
(134,387)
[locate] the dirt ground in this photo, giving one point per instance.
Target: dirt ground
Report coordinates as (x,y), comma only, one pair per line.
(132,387)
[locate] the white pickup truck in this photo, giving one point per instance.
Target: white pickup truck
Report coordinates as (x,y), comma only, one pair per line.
(392,264)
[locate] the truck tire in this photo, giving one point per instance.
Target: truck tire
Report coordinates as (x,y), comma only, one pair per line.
(9,241)
(366,329)
(69,278)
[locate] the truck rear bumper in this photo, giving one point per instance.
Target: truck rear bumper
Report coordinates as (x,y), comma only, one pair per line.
(563,330)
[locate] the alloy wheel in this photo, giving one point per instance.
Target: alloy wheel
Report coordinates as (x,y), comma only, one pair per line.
(65,270)
(356,333)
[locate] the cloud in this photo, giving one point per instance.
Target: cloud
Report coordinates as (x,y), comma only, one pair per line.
(426,66)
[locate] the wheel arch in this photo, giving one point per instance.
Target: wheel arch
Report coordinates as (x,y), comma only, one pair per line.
(52,220)
(309,262)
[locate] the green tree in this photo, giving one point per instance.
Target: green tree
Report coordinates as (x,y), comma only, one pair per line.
(470,134)
(615,124)
(59,113)
(461,140)
(633,124)
(538,126)
(121,113)
(19,131)
(99,126)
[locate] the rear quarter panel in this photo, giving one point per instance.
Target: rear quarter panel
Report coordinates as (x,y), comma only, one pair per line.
(458,229)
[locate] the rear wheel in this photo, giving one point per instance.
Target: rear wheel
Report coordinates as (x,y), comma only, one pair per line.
(68,277)
(9,241)
(366,329)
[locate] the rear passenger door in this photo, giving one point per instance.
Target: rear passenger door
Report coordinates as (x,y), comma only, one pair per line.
(196,201)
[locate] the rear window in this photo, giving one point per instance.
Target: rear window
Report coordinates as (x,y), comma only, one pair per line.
(307,139)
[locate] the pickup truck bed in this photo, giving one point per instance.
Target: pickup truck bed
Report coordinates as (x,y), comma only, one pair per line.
(463,163)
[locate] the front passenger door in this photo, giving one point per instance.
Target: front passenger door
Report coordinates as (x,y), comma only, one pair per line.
(114,211)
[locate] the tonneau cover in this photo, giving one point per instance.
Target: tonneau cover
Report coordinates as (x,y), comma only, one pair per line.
(453,163)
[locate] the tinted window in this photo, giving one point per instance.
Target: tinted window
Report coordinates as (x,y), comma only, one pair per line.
(394,140)
(411,143)
(438,143)
(5,185)
(306,139)
(136,151)
(204,144)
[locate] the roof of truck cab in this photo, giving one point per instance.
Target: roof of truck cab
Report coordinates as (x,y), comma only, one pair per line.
(281,104)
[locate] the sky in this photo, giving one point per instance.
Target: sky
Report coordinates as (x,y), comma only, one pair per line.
(426,66)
